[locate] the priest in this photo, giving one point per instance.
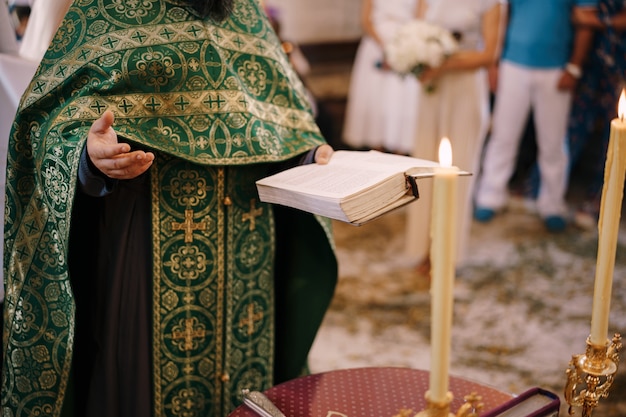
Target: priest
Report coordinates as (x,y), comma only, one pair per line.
(143,276)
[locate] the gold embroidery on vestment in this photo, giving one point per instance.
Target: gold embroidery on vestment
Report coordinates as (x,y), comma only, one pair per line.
(252,214)
(251,319)
(188,331)
(189,226)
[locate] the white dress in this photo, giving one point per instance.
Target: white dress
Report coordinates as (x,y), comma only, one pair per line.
(458,109)
(382,105)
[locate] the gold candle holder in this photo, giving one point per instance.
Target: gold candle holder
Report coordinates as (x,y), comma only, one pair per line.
(596,369)
(436,409)
(470,408)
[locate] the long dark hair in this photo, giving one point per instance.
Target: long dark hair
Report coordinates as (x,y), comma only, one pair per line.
(216,9)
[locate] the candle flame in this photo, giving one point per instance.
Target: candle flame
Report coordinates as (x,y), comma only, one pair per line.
(621,107)
(445,153)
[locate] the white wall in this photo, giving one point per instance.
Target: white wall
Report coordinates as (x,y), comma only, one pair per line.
(311,21)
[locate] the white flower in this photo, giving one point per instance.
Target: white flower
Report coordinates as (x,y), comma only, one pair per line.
(417,45)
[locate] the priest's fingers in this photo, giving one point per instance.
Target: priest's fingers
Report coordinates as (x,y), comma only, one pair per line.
(131,172)
(102,129)
(102,139)
(107,157)
(323,154)
(126,166)
(101,150)
(104,123)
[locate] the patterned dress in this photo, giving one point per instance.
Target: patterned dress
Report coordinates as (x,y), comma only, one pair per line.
(162,298)
(595,102)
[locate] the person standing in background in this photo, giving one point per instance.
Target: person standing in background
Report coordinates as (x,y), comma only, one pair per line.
(596,100)
(381,105)
(456,107)
(541,64)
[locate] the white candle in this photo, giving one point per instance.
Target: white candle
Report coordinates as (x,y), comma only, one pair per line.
(608,226)
(443,253)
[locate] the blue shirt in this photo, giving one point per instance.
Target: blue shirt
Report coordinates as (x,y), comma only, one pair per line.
(540,32)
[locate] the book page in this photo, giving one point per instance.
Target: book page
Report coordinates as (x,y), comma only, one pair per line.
(393,162)
(397,203)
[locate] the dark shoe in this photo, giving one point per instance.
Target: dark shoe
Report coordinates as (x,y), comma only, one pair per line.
(555,224)
(484,214)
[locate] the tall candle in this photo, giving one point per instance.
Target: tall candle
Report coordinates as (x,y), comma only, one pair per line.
(442,253)
(608,226)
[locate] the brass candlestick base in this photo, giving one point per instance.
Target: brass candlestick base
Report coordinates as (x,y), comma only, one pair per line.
(436,409)
(471,407)
(596,369)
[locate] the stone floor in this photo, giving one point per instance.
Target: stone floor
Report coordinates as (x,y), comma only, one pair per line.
(522,305)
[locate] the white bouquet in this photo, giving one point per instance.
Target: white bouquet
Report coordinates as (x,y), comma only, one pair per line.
(419,45)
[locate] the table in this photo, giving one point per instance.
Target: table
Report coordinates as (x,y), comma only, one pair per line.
(366,392)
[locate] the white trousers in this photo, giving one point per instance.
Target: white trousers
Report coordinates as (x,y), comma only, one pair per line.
(520,89)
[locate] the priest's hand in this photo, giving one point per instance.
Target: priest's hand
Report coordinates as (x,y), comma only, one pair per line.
(323,154)
(113,159)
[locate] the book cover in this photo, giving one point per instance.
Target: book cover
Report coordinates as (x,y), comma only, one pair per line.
(535,402)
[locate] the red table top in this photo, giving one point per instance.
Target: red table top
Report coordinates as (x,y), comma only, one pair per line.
(366,392)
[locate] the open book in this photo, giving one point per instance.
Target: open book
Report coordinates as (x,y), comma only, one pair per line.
(354,187)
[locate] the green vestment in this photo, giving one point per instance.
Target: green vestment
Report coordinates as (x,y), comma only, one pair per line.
(220,106)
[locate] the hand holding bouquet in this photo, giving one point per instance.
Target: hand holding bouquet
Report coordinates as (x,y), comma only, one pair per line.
(419,45)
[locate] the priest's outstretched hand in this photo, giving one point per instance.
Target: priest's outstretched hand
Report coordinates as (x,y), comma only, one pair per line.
(112,158)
